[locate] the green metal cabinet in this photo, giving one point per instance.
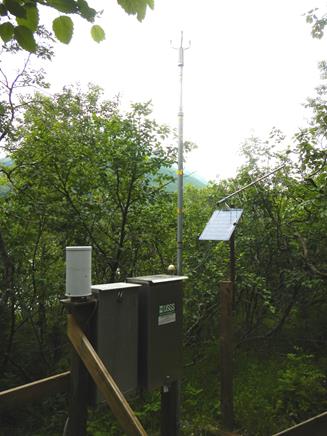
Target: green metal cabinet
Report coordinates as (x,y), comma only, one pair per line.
(160,329)
(115,332)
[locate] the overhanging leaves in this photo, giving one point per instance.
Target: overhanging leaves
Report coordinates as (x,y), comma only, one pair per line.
(136,7)
(15,8)
(25,38)
(32,18)
(151,4)
(85,10)
(63,28)
(6,31)
(67,6)
(26,13)
(3,10)
(97,33)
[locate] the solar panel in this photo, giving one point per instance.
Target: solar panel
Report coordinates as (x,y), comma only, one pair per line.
(221,225)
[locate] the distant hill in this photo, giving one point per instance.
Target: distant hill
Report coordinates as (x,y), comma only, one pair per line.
(6,161)
(189,179)
(4,189)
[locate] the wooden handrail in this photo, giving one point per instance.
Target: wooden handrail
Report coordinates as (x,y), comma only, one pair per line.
(105,383)
(35,390)
(316,426)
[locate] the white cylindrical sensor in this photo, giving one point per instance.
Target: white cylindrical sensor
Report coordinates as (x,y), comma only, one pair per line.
(78,271)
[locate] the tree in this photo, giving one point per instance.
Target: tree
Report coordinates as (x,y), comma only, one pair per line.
(311,150)
(83,174)
(20,20)
(280,241)
(24,79)
(281,238)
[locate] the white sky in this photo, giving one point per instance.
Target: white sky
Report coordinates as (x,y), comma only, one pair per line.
(251,66)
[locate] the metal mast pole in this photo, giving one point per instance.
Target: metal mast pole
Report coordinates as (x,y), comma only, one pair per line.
(180,171)
(170,395)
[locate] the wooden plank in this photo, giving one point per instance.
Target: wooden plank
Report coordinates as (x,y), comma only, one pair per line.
(105,383)
(226,355)
(316,426)
(36,390)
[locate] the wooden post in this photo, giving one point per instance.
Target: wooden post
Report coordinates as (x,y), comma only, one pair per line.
(232,259)
(82,310)
(226,354)
(170,409)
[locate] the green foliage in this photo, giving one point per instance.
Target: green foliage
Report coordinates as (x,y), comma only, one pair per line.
(27,17)
(273,393)
(255,394)
(15,8)
(31,21)
(281,275)
(47,418)
(25,38)
(67,6)
(137,7)
(6,31)
(25,78)
(97,33)
(63,28)
(301,388)
(317,23)
(83,173)
(101,422)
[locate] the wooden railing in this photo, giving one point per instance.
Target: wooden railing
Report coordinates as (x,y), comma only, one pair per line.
(36,390)
(316,426)
(60,383)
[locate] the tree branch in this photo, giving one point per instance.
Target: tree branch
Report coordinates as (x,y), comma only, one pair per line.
(305,255)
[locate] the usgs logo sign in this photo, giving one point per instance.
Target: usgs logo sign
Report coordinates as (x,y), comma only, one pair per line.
(167,308)
(167,314)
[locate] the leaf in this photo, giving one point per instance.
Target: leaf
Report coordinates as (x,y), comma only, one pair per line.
(15,8)
(2,109)
(85,10)
(136,7)
(67,6)
(151,4)
(127,6)
(98,33)
(25,38)
(32,18)
(3,10)
(63,28)
(141,11)
(6,31)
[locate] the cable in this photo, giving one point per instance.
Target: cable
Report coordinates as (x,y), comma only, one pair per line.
(223,200)
(66,427)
